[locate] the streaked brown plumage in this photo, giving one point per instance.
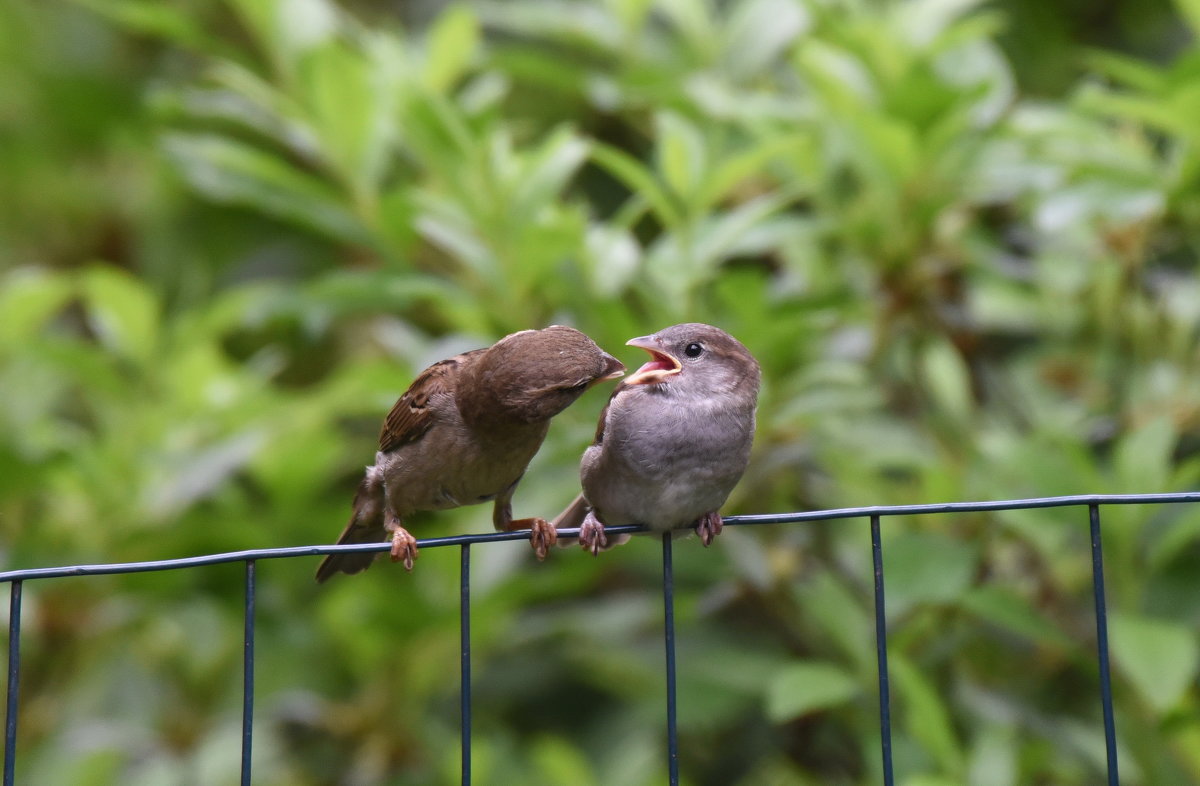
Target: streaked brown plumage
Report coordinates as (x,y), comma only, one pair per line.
(464,432)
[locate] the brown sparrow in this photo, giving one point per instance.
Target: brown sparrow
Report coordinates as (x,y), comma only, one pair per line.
(674,439)
(464,432)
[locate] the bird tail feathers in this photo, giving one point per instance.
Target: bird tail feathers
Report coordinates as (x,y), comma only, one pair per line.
(572,517)
(366,526)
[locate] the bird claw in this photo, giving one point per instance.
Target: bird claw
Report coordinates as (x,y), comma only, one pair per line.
(708,527)
(542,535)
(404,548)
(591,534)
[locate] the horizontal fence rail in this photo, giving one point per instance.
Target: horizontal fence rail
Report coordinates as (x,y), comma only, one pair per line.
(250,557)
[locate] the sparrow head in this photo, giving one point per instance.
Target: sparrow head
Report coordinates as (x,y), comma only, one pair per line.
(696,357)
(533,375)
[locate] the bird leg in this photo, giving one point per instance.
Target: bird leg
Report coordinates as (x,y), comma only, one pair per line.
(404,545)
(542,534)
(708,527)
(591,534)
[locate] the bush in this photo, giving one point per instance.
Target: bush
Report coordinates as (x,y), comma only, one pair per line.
(237,230)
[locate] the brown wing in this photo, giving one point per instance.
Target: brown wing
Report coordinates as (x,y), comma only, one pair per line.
(411,416)
(599,440)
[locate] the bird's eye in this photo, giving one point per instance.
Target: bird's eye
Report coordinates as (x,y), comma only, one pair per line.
(693,350)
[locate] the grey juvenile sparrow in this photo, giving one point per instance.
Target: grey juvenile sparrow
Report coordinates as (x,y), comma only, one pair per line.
(464,432)
(674,439)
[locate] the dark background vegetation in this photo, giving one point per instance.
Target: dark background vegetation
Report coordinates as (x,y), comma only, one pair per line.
(961,237)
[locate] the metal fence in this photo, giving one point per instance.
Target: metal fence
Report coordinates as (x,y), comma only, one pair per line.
(1093,503)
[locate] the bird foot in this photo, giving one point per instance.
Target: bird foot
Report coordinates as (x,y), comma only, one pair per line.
(404,547)
(542,534)
(591,534)
(709,527)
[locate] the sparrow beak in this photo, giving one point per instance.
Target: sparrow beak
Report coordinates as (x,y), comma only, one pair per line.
(613,368)
(661,365)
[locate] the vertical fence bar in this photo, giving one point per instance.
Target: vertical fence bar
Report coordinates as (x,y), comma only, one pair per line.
(669,645)
(885,711)
(464,594)
(14,681)
(1106,702)
(248,675)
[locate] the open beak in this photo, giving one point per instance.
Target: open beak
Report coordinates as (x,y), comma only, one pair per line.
(660,366)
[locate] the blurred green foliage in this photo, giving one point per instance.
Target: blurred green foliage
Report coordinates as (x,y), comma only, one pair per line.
(961,238)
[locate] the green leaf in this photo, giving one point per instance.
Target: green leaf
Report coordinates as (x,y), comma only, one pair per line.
(1087,741)
(804,688)
(242,98)
(926,567)
(631,13)
(557,761)
(1181,531)
(994,757)
(351,93)
(842,618)
(149,17)
(694,21)
(1159,658)
(843,80)
(442,222)
(733,170)
(640,180)
(303,455)
(719,235)
(1190,10)
(890,150)
(1129,71)
(949,382)
(189,476)
(122,311)
(613,258)
(547,172)
(1148,109)
(929,780)
(926,716)
(236,173)
(759,31)
(437,131)
(288,28)
(96,764)
(451,45)
(1005,608)
(358,291)
(923,21)
(1142,458)
(29,298)
(682,154)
